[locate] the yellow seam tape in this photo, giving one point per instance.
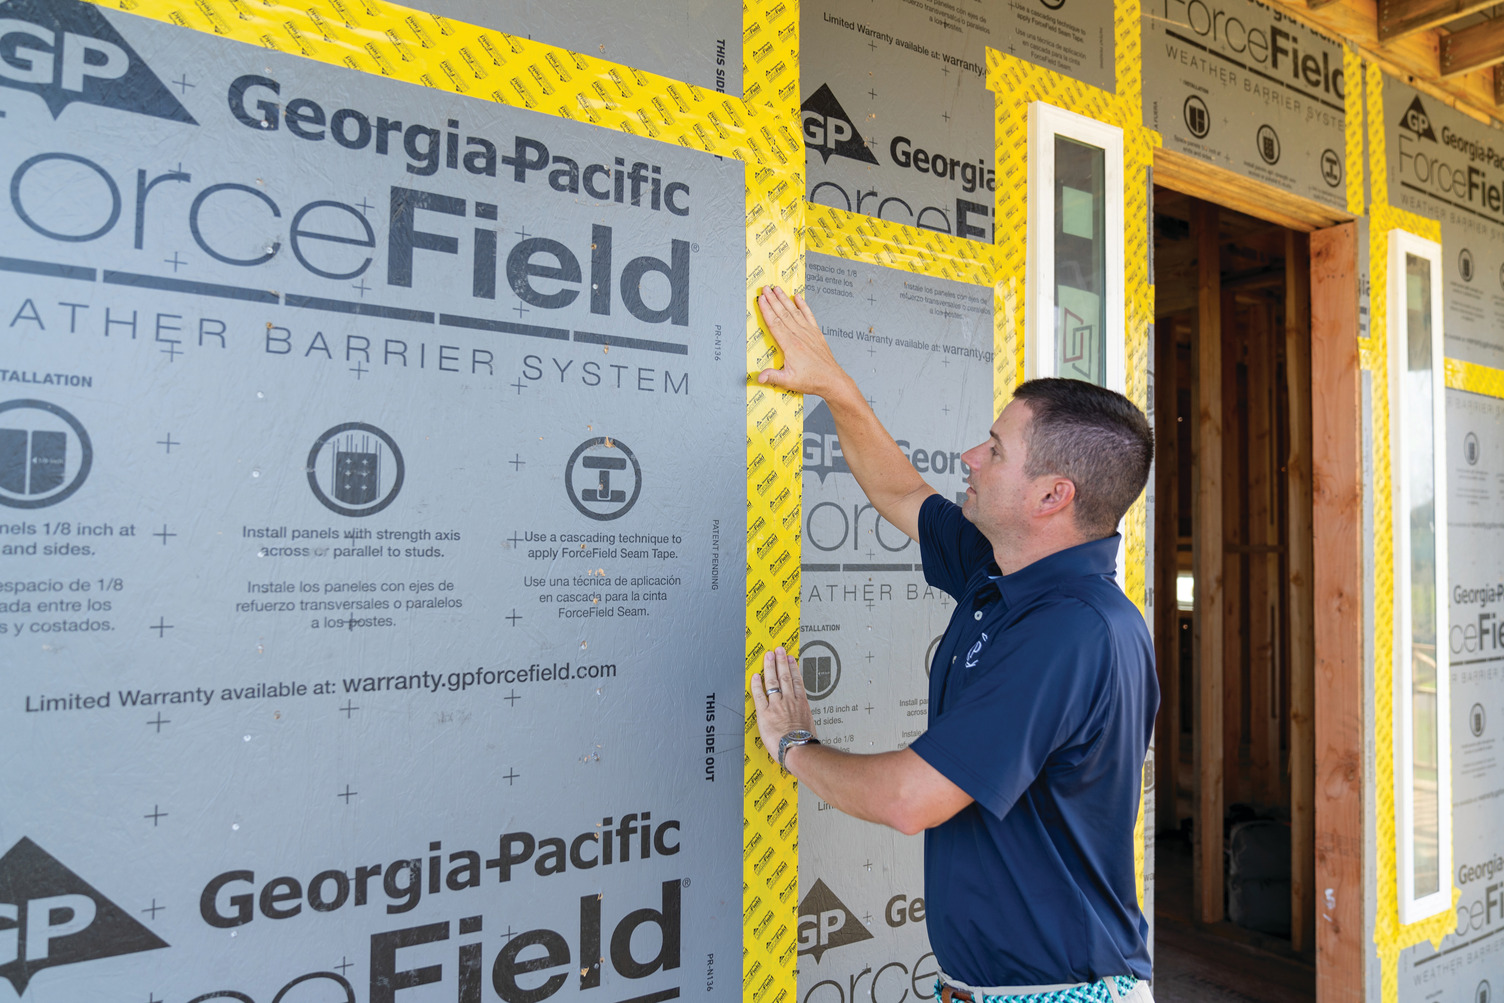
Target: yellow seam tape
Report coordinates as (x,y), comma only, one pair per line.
(1475,379)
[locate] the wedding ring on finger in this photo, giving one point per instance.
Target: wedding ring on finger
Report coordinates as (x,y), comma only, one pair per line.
(773,689)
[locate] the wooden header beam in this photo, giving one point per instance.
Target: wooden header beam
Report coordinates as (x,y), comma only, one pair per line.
(1473,48)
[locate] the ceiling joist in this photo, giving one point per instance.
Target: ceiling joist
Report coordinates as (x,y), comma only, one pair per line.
(1472,48)
(1398,18)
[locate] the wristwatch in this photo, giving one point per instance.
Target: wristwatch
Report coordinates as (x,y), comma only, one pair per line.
(796,737)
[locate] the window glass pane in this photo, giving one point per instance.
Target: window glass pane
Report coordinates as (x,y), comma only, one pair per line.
(1080,261)
(1419,430)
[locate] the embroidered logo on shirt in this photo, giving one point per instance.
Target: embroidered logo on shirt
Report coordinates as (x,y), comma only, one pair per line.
(976,649)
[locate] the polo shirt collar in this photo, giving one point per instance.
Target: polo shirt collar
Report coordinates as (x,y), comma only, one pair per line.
(1094,557)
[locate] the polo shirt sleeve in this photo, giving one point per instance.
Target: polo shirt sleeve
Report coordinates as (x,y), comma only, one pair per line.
(951,547)
(1040,705)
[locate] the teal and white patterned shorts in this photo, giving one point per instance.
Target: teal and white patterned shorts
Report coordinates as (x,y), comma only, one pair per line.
(1095,992)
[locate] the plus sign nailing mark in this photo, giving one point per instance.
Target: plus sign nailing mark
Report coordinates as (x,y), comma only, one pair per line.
(349,709)
(868,708)
(161,627)
(509,934)
(521,310)
(164,534)
(871,351)
(152,998)
(517,461)
(359,370)
(945,115)
(182,84)
(871,553)
(510,775)
(872,94)
(870,604)
(872,46)
(870,656)
(514,539)
(867,919)
(513,618)
(362,287)
(871,299)
(172,351)
(871,402)
(519,386)
(945,409)
(344,965)
(159,720)
(347,794)
(512,698)
(154,908)
(168,442)
(156,814)
(365,207)
(175,261)
(868,865)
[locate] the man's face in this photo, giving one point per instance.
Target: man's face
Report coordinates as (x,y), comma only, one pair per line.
(997,493)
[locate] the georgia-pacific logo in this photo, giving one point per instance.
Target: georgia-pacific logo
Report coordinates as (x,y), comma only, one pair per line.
(50,916)
(65,51)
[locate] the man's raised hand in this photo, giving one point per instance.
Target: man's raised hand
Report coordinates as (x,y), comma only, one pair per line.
(808,365)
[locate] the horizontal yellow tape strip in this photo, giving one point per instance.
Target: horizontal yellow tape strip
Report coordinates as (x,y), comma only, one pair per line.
(1475,379)
(415,47)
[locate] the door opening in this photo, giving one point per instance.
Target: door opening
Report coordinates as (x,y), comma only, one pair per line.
(1232,555)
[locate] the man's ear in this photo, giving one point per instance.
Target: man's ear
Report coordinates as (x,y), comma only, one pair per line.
(1060,494)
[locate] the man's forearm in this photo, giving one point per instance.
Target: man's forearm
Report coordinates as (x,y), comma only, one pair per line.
(883,472)
(889,788)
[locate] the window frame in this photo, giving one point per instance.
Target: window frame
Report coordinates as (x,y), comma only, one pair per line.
(1046,122)
(1412,907)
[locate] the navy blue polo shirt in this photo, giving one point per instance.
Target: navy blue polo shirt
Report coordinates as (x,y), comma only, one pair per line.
(1042,703)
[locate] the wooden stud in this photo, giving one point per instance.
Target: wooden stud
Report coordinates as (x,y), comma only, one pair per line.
(1166,570)
(1234,561)
(1472,48)
(1300,562)
(1499,85)
(1208,543)
(1263,562)
(1398,18)
(1337,626)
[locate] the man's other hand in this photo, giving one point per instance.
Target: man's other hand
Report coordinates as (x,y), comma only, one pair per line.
(778,694)
(808,365)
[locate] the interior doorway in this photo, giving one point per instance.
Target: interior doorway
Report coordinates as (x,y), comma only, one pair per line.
(1234,548)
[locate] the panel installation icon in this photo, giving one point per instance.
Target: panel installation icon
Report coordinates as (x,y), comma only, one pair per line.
(355,469)
(45,454)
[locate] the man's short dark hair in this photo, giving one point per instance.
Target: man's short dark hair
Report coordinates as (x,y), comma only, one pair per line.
(1094,436)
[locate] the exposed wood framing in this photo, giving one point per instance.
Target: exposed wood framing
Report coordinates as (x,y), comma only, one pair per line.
(1300,568)
(1398,18)
(1166,533)
(1233,500)
(1264,584)
(1216,184)
(1413,58)
(1207,521)
(1472,48)
(1336,481)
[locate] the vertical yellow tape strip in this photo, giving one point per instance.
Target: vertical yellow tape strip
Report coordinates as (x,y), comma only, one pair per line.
(775,255)
(1390,937)
(1017,83)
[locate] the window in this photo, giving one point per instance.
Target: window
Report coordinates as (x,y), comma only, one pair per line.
(1074,313)
(1422,731)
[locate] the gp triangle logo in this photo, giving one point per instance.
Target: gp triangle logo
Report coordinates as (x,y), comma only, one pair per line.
(825,922)
(50,916)
(1417,121)
(828,129)
(66,51)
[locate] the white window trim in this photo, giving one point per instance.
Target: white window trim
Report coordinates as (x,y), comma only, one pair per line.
(1045,123)
(1411,908)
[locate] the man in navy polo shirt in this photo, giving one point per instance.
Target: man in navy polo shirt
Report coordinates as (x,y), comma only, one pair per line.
(1042,691)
